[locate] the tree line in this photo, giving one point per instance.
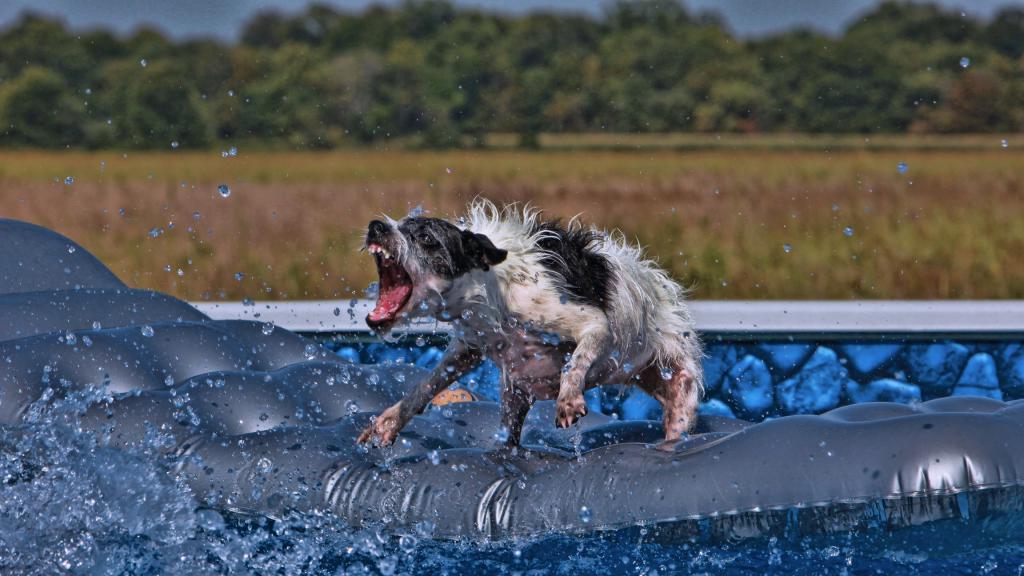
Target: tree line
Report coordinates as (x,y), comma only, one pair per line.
(431,74)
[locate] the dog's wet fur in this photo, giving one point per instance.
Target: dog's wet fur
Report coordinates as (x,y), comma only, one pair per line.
(582,274)
(559,308)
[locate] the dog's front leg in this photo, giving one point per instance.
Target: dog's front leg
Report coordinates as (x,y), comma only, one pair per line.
(590,345)
(458,359)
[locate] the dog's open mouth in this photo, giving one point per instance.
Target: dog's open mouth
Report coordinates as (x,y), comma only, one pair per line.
(395,286)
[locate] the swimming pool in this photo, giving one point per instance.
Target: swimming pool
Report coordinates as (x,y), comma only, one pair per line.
(75,501)
(764,360)
(100,510)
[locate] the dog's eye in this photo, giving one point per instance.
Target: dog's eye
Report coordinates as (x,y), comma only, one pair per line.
(427,240)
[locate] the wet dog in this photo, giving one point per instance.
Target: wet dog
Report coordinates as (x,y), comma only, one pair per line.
(558,308)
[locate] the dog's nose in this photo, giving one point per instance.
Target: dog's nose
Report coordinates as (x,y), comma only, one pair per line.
(377,228)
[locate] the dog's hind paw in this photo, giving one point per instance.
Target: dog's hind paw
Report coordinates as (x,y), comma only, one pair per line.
(569,409)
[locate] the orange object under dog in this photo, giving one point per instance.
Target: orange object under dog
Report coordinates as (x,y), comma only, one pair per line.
(453,397)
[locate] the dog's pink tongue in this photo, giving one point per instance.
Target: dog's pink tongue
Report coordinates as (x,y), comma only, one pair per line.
(389,301)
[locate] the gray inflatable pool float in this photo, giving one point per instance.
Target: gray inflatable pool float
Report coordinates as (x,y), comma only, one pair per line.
(261,421)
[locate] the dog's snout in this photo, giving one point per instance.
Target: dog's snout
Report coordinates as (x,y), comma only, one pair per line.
(377,229)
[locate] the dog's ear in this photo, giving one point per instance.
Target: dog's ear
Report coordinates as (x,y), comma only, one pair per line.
(481,250)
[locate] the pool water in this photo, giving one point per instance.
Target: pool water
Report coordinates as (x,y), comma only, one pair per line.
(73,505)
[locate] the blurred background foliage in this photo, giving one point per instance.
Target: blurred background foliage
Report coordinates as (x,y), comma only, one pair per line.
(430,74)
(880,162)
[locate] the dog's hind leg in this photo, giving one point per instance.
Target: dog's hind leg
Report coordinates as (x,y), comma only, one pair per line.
(590,345)
(678,395)
(515,404)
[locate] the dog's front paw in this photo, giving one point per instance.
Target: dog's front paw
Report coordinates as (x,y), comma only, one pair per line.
(569,409)
(384,429)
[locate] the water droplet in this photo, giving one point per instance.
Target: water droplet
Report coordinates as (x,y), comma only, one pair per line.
(417,211)
(965,62)
(434,456)
(1004,143)
(96,325)
(70,339)
(239,276)
(264,465)
(71,249)
(585,514)
(667,373)
(147,331)
(901,167)
(169,380)
(174,144)
(155,232)
(210,520)
(848,231)
(501,435)
(267,329)
(449,170)
(143,63)
(181,272)
(311,351)
(387,565)
(224,190)
(787,248)
(407,543)
(69,180)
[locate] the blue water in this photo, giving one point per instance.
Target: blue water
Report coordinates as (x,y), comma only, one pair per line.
(68,504)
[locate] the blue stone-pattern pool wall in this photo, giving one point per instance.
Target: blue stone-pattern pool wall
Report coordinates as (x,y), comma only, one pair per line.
(757,380)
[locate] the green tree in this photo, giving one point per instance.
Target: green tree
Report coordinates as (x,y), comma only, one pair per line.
(1006,32)
(285,102)
(155,106)
(35,41)
(37,109)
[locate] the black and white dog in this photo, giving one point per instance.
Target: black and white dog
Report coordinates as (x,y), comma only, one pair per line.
(559,309)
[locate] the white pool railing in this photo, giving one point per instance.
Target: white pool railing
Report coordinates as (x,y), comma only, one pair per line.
(991,317)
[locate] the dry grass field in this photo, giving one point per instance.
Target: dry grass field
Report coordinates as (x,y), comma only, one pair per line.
(752,223)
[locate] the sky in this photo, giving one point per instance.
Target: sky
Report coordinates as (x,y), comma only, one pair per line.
(225,18)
